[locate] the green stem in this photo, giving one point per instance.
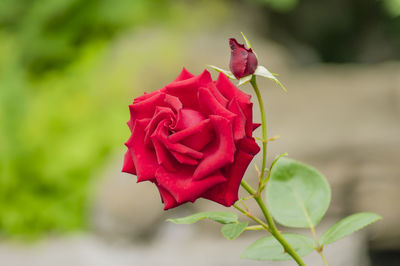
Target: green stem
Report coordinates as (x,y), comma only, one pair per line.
(254,228)
(265,226)
(318,248)
(271,224)
(275,232)
(323,257)
(263,125)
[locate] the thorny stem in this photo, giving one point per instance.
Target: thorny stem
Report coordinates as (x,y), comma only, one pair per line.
(323,257)
(254,228)
(248,214)
(263,125)
(270,222)
(318,248)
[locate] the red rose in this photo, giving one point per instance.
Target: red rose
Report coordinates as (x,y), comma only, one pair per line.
(192,139)
(243,61)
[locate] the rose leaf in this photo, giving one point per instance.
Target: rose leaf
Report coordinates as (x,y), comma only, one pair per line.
(348,225)
(297,194)
(232,231)
(220,217)
(268,248)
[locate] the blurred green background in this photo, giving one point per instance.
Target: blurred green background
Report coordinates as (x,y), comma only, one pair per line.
(66,79)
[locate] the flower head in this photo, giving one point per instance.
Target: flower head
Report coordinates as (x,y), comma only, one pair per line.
(192,139)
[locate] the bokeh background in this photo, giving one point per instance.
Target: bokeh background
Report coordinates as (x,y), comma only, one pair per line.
(69,69)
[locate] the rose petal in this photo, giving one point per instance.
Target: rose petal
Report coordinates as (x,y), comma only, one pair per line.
(256,125)
(195,137)
(129,166)
(188,118)
(186,154)
(144,159)
(183,187)
(167,198)
(185,150)
(211,106)
(183,75)
(174,102)
(217,94)
(227,193)
(164,157)
(230,91)
(220,152)
(162,115)
(249,145)
(146,108)
(239,123)
(186,90)
(145,96)
(184,159)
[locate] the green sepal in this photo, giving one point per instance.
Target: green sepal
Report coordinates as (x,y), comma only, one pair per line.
(223,71)
(264,72)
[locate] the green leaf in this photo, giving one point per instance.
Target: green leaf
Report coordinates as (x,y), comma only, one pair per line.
(220,217)
(225,72)
(232,231)
(244,80)
(263,72)
(268,248)
(297,194)
(348,225)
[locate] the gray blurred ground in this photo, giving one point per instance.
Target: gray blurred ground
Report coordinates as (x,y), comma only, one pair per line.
(342,119)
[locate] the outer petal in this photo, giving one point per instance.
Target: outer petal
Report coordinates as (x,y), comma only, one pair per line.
(249,145)
(239,123)
(146,108)
(183,187)
(186,90)
(256,125)
(129,166)
(227,193)
(144,159)
(166,197)
(220,152)
(183,75)
(230,92)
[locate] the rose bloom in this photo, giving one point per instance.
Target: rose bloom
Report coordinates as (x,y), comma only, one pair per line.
(192,139)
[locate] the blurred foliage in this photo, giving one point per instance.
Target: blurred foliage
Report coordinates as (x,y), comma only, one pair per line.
(68,70)
(51,33)
(62,105)
(392,7)
(280,5)
(335,31)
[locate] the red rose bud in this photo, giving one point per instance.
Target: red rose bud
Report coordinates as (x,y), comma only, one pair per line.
(243,61)
(192,139)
